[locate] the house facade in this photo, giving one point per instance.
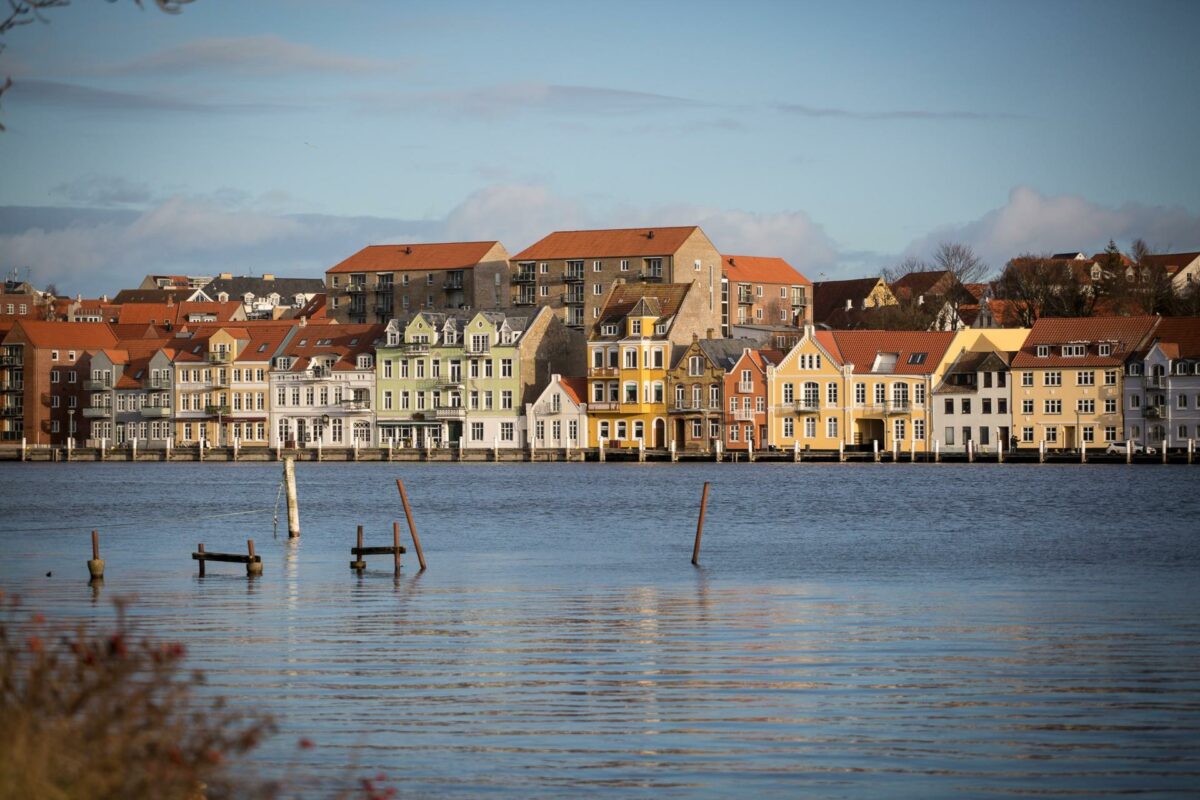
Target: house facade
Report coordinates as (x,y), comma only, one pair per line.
(696,386)
(1067,381)
(765,291)
(557,418)
(746,395)
(1162,386)
(381,282)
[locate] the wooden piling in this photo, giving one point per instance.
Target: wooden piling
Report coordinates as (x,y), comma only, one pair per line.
(254,566)
(1164,451)
(358,564)
(412,529)
(700,525)
(200,549)
(96,565)
(293,508)
(396,545)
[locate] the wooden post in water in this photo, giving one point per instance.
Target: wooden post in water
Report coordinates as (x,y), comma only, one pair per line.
(601,451)
(750,450)
(359,564)
(200,549)
(293,507)
(253,566)
(796,451)
(396,545)
(641,449)
(1164,451)
(700,525)
(970,451)
(412,529)
(133,450)
(937,451)
(1083,452)
(912,450)
(875,449)
(1191,449)
(1000,445)
(674,452)
(24,444)
(1042,451)
(71,439)
(895,451)
(96,565)
(841,451)
(1129,451)
(168,450)
(320,450)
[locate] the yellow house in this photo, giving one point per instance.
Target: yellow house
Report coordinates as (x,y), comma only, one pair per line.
(1067,380)
(628,356)
(806,395)
(857,388)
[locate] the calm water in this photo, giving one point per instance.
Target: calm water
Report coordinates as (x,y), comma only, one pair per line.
(855,630)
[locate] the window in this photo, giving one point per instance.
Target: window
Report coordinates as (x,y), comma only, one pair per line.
(1043,350)
(1085,378)
(1073,350)
(631,393)
(987,380)
(635,326)
(733,433)
(1089,434)
(860,394)
(1052,407)
(1181,401)
(1001,379)
(657,354)
(898,429)
(387,400)
(919,430)
(714,396)
(544,268)
(1110,405)
(1027,379)
(622,429)
(543,291)
(789,430)
(596,267)
(1027,434)
(506,368)
(1110,433)
(919,394)
(54,376)
(506,431)
(1110,377)
(597,288)
(880,394)
(810,427)
(1002,405)
(624,265)
(1183,431)
(1052,435)
(987,405)
(1052,378)
(966,405)
(387,368)
(506,399)
(917,358)
(1085,406)
(831,427)
(1135,401)
(602,430)
(1105,349)
(950,436)
(831,395)
(789,393)
(54,355)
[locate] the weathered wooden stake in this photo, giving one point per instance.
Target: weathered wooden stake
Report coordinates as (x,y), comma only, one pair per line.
(1083,452)
(1191,449)
(937,451)
(133,450)
(1129,451)
(1164,451)
(412,529)
(601,443)
(253,566)
(895,451)
(841,452)
(700,525)
(1042,451)
(359,564)
(200,549)
(875,449)
(396,545)
(293,508)
(96,565)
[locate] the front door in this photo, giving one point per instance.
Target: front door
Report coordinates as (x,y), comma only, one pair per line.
(660,433)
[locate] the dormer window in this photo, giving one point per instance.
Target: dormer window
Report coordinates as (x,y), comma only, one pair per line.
(364,362)
(917,358)
(608,330)
(1043,350)
(1105,349)
(1074,350)
(660,329)
(635,326)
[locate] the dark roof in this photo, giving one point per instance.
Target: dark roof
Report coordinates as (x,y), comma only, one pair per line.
(725,353)
(624,297)
(261,287)
(830,296)
(149,295)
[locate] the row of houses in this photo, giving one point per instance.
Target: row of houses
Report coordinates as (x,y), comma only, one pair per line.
(653,372)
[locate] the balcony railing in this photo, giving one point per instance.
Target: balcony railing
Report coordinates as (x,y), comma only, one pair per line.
(745,387)
(360,404)
(477,348)
(96,386)
(12,386)
(604,372)
(217,411)
(384,288)
(415,347)
(525,277)
(573,276)
(574,298)
(452,284)
(604,405)
(808,405)
(152,412)
(220,356)
(1155,381)
(11,361)
(450,412)
(899,407)
(355,288)
(742,415)
(1153,412)
(12,411)
(98,412)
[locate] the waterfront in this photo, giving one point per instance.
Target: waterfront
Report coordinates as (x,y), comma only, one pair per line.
(855,630)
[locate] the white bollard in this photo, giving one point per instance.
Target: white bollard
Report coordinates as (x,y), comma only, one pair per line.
(1083,452)
(875,448)
(750,451)
(841,451)
(1129,451)
(320,453)
(601,444)
(133,450)
(895,451)
(1191,449)
(69,440)
(937,451)
(1164,451)
(1042,451)
(24,444)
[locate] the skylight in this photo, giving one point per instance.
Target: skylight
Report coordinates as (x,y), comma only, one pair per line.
(885,362)
(917,358)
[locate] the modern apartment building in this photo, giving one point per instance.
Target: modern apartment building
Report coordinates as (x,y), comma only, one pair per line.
(765,291)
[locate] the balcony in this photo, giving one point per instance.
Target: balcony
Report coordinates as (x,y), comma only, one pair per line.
(604,372)
(574,299)
(414,347)
(651,277)
(217,411)
(11,361)
(808,405)
(745,387)
(12,411)
(477,348)
(383,308)
(573,276)
(525,298)
(12,386)
(1155,381)
(452,284)
(355,288)
(898,407)
(525,276)
(383,288)
(449,382)
(96,386)
(220,356)
(1153,412)
(742,415)
(359,404)
(97,412)
(604,405)
(155,412)
(450,412)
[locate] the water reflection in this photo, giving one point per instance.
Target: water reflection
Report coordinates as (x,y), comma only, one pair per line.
(562,647)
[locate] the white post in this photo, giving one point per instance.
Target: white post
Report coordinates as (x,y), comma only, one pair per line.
(355,450)
(875,448)
(895,451)
(937,451)
(717,450)
(601,443)
(1191,449)
(841,450)
(912,450)
(495,448)
(461,447)
(1042,451)
(133,450)
(293,508)
(1000,445)
(201,449)
(750,450)
(168,458)
(796,451)
(1083,452)
(970,451)
(674,455)
(1129,451)
(236,446)
(320,454)
(24,444)
(69,440)
(1164,451)
(641,449)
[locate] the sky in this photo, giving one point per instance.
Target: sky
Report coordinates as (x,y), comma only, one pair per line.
(284,135)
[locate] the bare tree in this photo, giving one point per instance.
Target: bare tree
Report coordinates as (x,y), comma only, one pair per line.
(22,12)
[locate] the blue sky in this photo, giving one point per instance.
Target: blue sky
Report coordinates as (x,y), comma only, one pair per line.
(283,136)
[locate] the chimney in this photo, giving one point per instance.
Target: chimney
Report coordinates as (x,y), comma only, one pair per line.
(849,304)
(695,337)
(731,262)
(226,276)
(303,322)
(407,250)
(649,234)
(708,333)
(267,276)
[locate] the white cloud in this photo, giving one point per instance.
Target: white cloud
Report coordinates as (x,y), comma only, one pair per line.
(1031,222)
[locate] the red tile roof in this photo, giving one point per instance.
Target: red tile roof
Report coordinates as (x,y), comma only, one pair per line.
(860,348)
(624,296)
(615,243)
(831,296)
(1126,334)
(402,257)
(1171,262)
(761,269)
(575,387)
(67,335)
(345,341)
(1184,332)
(175,313)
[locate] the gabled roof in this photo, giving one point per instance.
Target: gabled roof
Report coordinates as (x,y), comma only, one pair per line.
(1183,332)
(346,342)
(576,387)
(1125,334)
(861,348)
(624,297)
(761,269)
(916,284)
(830,296)
(726,353)
(146,296)
(237,286)
(1171,263)
(404,257)
(67,335)
(263,341)
(614,243)
(175,313)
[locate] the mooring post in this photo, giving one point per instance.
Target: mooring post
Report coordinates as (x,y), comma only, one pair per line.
(641,449)
(167,457)
(970,451)
(895,451)
(237,442)
(1042,451)
(200,549)
(700,525)
(133,450)
(718,450)
(1164,451)
(253,566)
(293,508)
(937,451)
(875,449)
(750,450)
(796,451)
(356,449)
(396,546)
(674,452)
(96,565)
(461,448)
(277,451)
(358,563)
(320,454)
(1129,451)
(200,450)
(841,451)
(495,448)
(1000,447)
(412,529)
(912,450)
(24,444)
(601,451)
(1083,452)
(70,439)
(1191,449)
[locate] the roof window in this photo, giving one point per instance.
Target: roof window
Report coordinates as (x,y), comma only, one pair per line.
(917,358)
